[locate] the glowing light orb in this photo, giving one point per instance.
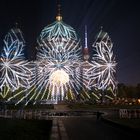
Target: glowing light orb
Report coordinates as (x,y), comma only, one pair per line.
(59,77)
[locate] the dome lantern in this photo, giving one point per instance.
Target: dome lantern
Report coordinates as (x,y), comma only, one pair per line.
(59,17)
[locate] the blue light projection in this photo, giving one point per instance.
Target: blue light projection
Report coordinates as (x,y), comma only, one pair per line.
(13,66)
(59,73)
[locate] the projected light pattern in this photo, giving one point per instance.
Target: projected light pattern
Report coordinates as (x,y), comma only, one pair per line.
(59,77)
(103,70)
(60,51)
(13,67)
(59,72)
(57,69)
(58,32)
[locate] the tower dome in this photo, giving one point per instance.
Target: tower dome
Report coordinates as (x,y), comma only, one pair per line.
(58,31)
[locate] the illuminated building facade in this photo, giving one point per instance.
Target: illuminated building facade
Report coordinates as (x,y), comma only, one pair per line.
(61,71)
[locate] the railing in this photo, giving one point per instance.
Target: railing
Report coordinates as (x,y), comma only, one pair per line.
(43,114)
(129,113)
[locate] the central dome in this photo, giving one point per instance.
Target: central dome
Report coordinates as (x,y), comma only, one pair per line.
(58,30)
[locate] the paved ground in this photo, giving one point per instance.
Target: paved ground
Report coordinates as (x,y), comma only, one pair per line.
(90,129)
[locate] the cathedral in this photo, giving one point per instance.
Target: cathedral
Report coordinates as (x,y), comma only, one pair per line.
(64,70)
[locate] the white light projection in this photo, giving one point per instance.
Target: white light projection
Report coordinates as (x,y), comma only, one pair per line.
(13,66)
(59,72)
(59,77)
(103,70)
(57,69)
(59,32)
(59,55)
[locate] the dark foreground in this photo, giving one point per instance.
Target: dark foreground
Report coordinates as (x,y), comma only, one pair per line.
(25,129)
(77,128)
(91,129)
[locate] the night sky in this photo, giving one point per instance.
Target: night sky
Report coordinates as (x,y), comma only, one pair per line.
(120,18)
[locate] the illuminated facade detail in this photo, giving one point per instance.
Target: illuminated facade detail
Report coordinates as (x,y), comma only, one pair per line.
(59,72)
(58,33)
(56,74)
(59,77)
(60,55)
(13,66)
(103,70)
